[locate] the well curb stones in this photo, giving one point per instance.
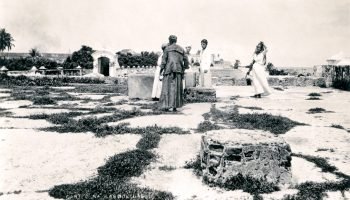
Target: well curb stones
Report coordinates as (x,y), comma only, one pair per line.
(263,156)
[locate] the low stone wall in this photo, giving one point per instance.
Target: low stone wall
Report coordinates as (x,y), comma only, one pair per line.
(274,81)
(228,153)
(199,94)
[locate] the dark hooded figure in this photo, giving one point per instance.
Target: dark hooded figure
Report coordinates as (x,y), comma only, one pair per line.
(174,63)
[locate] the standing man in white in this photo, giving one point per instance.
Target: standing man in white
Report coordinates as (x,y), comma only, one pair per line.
(205,62)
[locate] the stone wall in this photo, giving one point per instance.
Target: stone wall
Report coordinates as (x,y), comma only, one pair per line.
(230,152)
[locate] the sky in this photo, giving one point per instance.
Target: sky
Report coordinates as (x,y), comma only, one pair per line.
(297,33)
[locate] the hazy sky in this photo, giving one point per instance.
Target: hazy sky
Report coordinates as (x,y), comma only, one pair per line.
(296,32)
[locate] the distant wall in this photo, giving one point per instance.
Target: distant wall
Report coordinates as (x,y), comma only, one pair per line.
(297,70)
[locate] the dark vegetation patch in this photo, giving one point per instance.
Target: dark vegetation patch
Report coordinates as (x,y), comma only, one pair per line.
(207,126)
(317,191)
(22,80)
(327,92)
(43,100)
(112,181)
(318,161)
(101,88)
(325,149)
(126,165)
(98,125)
(314,94)
(120,102)
(235,97)
(278,88)
(41,95)
(251,107)
(113,178)
(151,106)
(166,168)
(5,112)
(124,128)
(247,184)
(195,165)
(317,110)
(149,140)
(337,126)
(57,118)
(313,98)
(262,121)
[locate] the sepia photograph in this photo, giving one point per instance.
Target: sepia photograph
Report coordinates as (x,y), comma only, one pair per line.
(175,100)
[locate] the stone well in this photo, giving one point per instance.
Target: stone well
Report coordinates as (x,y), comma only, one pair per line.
(227,153)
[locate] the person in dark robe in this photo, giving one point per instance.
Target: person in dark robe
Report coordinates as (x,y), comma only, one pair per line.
(174,63)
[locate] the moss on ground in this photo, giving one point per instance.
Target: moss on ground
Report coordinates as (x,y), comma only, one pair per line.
(261,121)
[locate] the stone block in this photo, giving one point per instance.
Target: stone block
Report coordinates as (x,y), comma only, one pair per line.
(228,152)
(140,85)
(200,94)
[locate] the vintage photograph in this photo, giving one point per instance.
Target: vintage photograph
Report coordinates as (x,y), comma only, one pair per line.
(175,100)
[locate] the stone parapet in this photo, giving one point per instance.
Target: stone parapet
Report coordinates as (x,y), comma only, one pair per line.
(227,153)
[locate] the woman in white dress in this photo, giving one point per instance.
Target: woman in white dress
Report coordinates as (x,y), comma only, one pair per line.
(157,83)
(259,75)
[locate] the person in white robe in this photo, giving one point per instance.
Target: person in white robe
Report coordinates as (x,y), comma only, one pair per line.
(157,83)
(258,72)
(205,62)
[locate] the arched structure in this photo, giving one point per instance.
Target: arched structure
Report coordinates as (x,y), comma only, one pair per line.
(105,63)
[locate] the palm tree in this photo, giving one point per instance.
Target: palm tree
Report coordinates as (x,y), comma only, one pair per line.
(5,40)
(34,52)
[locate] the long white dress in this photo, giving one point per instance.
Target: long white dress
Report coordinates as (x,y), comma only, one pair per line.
(259,75)
(205,62)
(157,84)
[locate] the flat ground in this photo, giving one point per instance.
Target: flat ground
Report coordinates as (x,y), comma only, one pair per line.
(33,160)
